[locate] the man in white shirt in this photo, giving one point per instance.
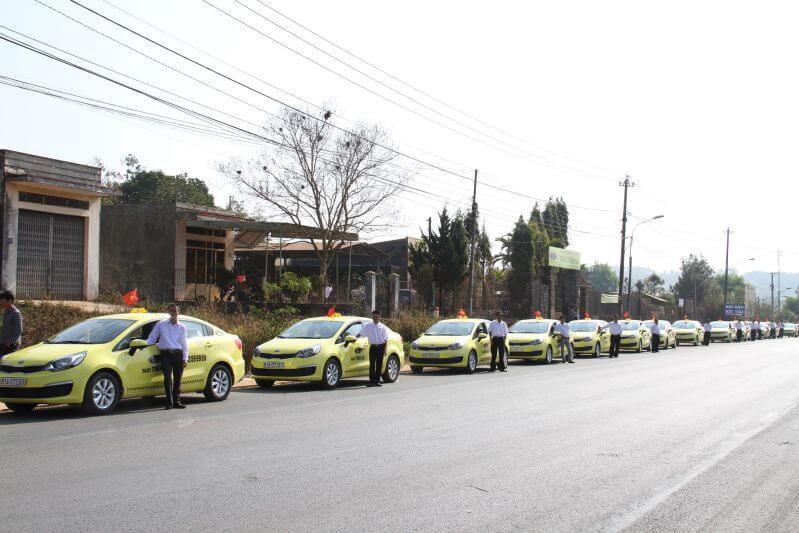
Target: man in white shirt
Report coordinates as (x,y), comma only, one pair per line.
(780,330)
(654,329)
(706,339)
(739,330)
(614,328)
(772,330)
(755,330)
(170,335)
(565,340)
(498,331)
(377,334)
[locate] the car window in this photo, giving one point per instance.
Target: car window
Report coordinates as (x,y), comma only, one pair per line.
(481,328)
(141,332)
(353,329)
(194,329)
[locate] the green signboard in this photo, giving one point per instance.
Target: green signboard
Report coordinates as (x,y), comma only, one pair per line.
(558,257)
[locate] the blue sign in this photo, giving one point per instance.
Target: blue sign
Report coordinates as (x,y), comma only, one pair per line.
(735,310)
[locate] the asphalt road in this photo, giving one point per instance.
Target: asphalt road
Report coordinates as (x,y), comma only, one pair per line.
(688,439)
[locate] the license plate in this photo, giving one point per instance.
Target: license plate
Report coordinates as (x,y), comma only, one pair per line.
(517,348)
(274,364)
(12,382)
(431,355)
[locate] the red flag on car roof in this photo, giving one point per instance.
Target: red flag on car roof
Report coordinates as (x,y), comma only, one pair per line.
(131,298)
(331,311)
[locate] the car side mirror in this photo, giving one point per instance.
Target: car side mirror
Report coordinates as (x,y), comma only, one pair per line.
(349,339)
(481,336)
(137,344)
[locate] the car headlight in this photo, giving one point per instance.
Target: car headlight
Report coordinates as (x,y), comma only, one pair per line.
(256,352)
(309,352)
(535,342)
(415,345)
(64,363)
(455,346)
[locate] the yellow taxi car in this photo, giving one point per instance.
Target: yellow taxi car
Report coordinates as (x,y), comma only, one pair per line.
(634,336)
(688,332)
(668,335)
(324,350)
(590,336)
(453,343)
(533,340)
(722,331)
(789,329)
(98,362)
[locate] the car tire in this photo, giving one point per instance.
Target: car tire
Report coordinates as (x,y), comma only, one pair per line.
(102,394)
(331,373)
(640,347)
(417,369)
(265,383)
(505,360)
(218,384)
(471,362)
(696,340)
(598,350)
(549,353)
(21,408)
(392,369)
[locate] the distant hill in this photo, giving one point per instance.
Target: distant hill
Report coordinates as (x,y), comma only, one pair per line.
(760,280)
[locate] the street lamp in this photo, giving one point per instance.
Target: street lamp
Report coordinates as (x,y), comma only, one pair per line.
(630,269)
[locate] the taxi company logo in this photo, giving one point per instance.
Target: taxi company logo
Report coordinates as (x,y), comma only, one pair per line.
(21,362)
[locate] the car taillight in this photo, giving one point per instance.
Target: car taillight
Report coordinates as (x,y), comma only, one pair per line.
(239,345)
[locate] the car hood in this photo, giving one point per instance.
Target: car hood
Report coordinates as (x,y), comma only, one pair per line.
(526,337)
(289,345)
(40,354)
(577,335)
(441,340)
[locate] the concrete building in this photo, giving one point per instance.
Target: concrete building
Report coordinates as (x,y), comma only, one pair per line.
(50,227)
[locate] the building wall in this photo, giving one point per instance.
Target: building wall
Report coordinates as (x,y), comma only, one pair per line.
(137,250)
(11,207)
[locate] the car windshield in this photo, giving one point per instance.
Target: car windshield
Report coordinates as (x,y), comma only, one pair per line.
(312,329)
(531,326)
(718,324)
(632,325)
(582,326)
(684,324)
(92,331)
(450,329)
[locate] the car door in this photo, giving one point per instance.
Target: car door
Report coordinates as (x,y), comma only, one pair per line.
(143,375)
(199,338)
(483,345)
(354,355)
(604,336)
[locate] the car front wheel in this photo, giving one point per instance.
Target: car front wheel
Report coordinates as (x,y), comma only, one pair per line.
(102,394)
(21,408)
(392,369)
(548,359)
(597,350)
(331,374)
(218,384)
(471,363)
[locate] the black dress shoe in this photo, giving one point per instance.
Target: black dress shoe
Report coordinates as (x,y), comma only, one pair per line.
(371,384)
(378,384)
(167,407)
(179,406)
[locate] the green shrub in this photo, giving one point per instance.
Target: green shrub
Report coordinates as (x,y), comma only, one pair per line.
(411,325)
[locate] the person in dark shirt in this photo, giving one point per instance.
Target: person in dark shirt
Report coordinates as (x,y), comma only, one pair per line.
(11,331)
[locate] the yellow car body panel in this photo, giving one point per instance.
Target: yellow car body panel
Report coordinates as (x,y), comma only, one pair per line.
(688,332)
(452,351)
(722,331)
(279,358)
(635,337)
(668,335)
(585,342)
(24,381)
(526,342)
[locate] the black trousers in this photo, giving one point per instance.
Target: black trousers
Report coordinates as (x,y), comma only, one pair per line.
(6,349)
(497,350)
(739,334)
(752,334)
(706,339)
(172,365)
(773,333)
(615,345)
(376,353)
(655,343)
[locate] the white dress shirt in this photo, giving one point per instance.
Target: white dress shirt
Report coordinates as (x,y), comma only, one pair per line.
(563,329)
(707,327)
(498,328)
(614,328)
(654,328)
(376,334)
(739,326)
(170,336)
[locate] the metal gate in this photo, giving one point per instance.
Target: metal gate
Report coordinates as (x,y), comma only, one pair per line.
(50,256)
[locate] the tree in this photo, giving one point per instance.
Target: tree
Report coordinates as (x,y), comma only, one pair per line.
(696,282)
(518,255)
(602,277)
(137,185)
(555,220)
(315,175)
(651,285)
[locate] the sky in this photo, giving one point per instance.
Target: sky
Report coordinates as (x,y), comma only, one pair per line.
(695,101)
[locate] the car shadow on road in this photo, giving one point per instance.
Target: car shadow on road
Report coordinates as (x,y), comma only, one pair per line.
(48,413)
(288,387)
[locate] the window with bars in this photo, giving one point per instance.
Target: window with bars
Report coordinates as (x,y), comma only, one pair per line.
(202,258)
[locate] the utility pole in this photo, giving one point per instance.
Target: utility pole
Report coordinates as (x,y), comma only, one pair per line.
(429,226)
(726,271)
(627,183)
(772,294)
(471,245)
(779,283)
